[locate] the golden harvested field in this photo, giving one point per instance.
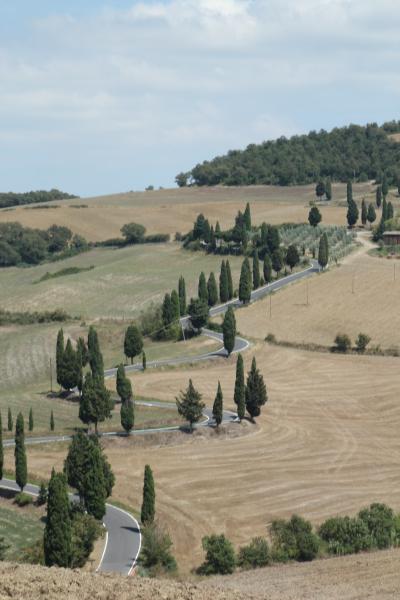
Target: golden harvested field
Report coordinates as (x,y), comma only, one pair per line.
(168,211)
(373,308)
(327,443)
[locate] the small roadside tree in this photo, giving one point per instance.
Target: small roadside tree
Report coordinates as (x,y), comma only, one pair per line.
(95,356)
(292,256)
(198,313)
(343,342)
(21,468)
(323,251)
(52,421)
(133,342)
(149,497)
(349,192)
(256,391)
(247,217)
(189,405)
(314,216)
(229,330)
(218,406)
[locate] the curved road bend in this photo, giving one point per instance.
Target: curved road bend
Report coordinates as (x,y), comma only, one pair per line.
(122,548)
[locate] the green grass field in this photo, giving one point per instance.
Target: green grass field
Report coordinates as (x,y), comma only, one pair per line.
(122,283)
(19,530)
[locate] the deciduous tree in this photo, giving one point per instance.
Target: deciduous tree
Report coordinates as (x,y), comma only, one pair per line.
(292,256)
(314,216)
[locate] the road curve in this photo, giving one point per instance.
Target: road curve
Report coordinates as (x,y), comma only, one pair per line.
(122,548)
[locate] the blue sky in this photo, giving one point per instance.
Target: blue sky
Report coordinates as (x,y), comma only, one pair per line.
(101,96)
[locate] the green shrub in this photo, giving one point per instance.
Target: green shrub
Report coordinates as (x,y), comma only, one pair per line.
(270,338)
(362,342)
(380,520)
(255,555)
(156,553)
(345,535)
(293,540)
(343,342)
(23,499)
(150,320)
(220,556)
(85,531)
(42,496)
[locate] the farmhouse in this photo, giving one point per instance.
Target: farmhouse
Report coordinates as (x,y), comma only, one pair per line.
(391,238)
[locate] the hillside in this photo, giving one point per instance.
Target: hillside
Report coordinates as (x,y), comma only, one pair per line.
(361,152)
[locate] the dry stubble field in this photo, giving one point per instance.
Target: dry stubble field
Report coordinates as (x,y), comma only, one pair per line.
(168,211)
(327,443)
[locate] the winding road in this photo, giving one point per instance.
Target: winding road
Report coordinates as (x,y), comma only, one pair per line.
(123,537)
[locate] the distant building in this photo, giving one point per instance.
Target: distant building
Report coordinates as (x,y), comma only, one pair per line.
(391,238)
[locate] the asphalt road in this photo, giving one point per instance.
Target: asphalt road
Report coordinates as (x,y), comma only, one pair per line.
(123,541)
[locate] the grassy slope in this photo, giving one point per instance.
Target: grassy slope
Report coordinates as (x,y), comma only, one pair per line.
(19,528)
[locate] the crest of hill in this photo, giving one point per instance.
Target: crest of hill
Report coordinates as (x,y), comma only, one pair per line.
(360,152)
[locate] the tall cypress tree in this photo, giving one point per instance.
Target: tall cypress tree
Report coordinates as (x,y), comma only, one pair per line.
(189,404)
(212,290)
(124,390)
(384,210)
(267,269)
(127,415)
(230,282)
(385,186)
(202,288)
(176,309)
(149,497)
(1,449)
(133,342)
(239,394)
(57,537)
(10,424)
(95,356)
(59,354)
(363,212)
(277,261)
(218,406)
(256,271)
(389,211)
(264,234)
(21,469)
(52,424)
(30,419)
(256,392)
(217,229)
(323,251)
(223,284)
(82,352)
(144,361)
(167,310)
(123,384)
(182,296)
(247,217)
(70,368)
(352,214)
(229,330)
(328,189)
(378,196)
(349,192)
(94,484)
(371,214)
(245,283)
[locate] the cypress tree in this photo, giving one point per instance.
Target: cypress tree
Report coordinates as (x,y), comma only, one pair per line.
(202,288)
(217,229)
(352,214)
(349,192)
(229,330)
(223,284)
(323,251)
(21,469)
(123,384)
(277,261)
(10,424)
(256,271)
(273,239)
(247,217)
(127,415)
(212,290)
(213,243)
(389,211)
(385,186)
(267,269)
(230,282)
(320,189)
(59,354)
(239,394)
(1,449)
(256,392)
(264,234)
(95,356)
(371,214)
(245,284)
(167,311)
(378,196)
(94,484)
(51,421)
(384,210)
(70,368)
(363,212)
(82,352)
(133,342)
(57,537)
(189,405)
(149,497)
(314,216)
(182,296)
(218,406)
(328,189)
(30,419)
(176,309)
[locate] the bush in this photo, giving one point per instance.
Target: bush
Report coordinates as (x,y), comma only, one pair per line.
(381,524)
(343,342)
(362,342)
(271,339)
(220,556)
(23,499)
(255,555)
(293,540)
(215,326)
(156,553)
(157,238)
(85,531)
(345,535)
(42,496)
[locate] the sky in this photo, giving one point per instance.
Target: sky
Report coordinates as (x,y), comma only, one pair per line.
(103,96)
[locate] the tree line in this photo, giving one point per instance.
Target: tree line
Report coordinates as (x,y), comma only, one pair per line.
(8,199)
(354,152)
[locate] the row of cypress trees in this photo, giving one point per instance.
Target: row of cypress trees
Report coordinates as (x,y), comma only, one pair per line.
(210,293)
